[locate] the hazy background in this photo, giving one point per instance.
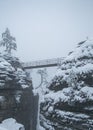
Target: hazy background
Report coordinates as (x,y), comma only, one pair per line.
(46,28)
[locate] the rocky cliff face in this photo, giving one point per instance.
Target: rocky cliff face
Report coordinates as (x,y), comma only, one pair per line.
(69,103)
(16,97)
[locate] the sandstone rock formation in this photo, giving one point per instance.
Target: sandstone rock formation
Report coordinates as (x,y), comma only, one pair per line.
(16,98)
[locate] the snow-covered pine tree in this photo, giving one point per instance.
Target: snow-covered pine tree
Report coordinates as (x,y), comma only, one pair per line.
(8,41)
(69,103)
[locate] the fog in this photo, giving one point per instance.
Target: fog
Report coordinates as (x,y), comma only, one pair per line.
(46,28)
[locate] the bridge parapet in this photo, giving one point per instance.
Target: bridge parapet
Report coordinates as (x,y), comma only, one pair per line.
(43,63)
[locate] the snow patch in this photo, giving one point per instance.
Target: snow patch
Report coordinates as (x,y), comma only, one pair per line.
(11,124)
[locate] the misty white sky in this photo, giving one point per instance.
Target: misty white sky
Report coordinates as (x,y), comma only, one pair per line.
(46,28)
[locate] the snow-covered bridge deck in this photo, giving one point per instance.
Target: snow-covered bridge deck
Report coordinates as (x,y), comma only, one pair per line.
(42,63)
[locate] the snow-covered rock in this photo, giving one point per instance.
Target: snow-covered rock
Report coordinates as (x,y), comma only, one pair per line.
(69,102)
(11,124)
(16,96)
(11,72)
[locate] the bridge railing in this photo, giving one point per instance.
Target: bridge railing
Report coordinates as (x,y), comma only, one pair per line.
(47,62)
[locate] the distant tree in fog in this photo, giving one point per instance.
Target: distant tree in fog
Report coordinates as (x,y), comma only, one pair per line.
(43,74)
(8,41)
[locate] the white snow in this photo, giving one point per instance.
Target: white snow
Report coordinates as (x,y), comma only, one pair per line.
(65,95)
(50,109)
(88,91)
(58,96)
(11,124)
(71,115)
(2,98)
(2,128)
(84,50)
(17,97)
(25,86)
(21,75)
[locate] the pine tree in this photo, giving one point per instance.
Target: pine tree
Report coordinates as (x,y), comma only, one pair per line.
(8,41)
(71,92)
